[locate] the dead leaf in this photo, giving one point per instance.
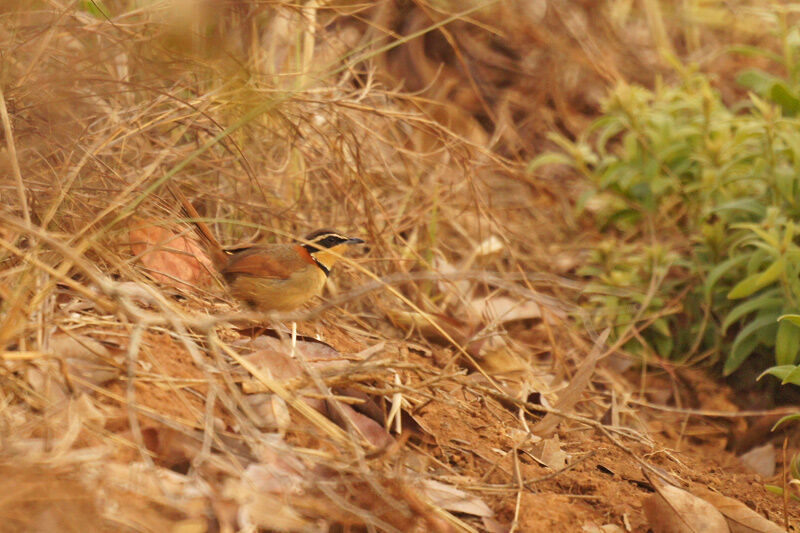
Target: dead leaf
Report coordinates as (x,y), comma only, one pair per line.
(282,367)
(673,510)
(741,519)
(276,363)
(760,460)
(549,452)
(492,245)
(87,358)
(411,320)
(262,511)
(452,499)
(155,483)
(452,289)
(607,528)
(502,309)
(68,425)
(316,353)
(276,473)
(372,431)
(136,292)
(44,497)
(262,493)
(570,396)
(171,447)
(272,411)
(172,259)
(190,525)
(493,526)
(496,355)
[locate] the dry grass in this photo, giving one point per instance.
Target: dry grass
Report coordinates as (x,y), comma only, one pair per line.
(276,120)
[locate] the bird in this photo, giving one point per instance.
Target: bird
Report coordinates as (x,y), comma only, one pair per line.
(274,277)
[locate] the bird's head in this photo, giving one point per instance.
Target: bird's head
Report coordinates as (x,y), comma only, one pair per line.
(327,245)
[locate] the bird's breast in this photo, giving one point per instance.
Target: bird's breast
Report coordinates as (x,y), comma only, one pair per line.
(271,294)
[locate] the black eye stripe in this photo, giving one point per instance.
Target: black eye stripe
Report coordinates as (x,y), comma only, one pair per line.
(331,240)
(324,241)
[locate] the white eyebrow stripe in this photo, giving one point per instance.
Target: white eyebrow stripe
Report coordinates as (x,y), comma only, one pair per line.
(326,235)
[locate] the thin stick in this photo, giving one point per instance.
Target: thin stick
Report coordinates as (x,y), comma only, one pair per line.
(12,154)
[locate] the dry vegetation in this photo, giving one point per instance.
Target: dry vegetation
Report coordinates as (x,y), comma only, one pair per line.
(134,392)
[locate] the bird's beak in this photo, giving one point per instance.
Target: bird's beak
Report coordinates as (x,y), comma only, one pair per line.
(354,241)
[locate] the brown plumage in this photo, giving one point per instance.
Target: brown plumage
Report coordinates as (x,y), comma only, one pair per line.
(273,277)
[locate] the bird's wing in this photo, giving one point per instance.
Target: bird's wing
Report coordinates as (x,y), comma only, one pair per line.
(257,261)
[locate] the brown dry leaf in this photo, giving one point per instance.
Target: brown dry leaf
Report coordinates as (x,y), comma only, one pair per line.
(570,396)
(80,411)
(411,320)
(168,257)
(87,358)
(282,367)
(450,288)
(45,379)
(452,499)
(276,363)
(760,460)
(136,292)
(496,355)
(275,473)
(187,495)
(271,410)
(502,309)
(190,525)
(262,510)
(549,452)
(741,519)
(45,497)
(274,359)
(493,526)
(673,510)
(607,528)
(171,447)
(317,353)
(261,494)
(373,432)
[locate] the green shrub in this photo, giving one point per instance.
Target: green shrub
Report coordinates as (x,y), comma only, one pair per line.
(702,201)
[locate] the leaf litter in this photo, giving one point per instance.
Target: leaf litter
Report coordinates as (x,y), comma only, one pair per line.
(460,396)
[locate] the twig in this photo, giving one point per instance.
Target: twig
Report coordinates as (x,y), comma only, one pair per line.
(12,154)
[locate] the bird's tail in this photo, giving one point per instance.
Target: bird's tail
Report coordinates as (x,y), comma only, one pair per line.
(218,255)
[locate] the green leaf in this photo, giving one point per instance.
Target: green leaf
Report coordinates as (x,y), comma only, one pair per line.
(784,97)
(774,489)
(786,418)
(750,50)
(662,326)
(754,282)
(96,8)
(609,130)
(787,342)
(748,205)
(764,109)
(549,158)
(584,197)
(768,300)
(720,270)
(768,238)
(794,319)
(664,346)
(779,372)
(793,377)
(746,342)
(746,287)
(756,80)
